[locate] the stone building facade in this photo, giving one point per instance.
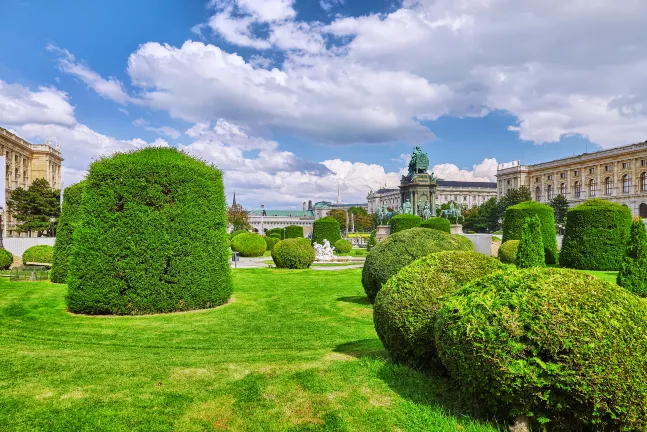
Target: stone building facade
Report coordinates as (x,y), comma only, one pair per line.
(26,162)
(618,174)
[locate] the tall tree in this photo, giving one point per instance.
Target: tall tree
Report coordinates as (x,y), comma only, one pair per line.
(33,207)
(363,220)
(560,205)
(238,217)
(512,197)
(483,218)
(633,273)
(339,216)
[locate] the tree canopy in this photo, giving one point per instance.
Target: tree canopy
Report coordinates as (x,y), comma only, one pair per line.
(238,217)
(33,207)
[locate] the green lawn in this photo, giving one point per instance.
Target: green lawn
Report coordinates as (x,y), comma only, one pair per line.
(355,252)
(294,350)
(609,276)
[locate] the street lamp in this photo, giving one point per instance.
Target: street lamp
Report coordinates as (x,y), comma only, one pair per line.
(52,219)
(262,214)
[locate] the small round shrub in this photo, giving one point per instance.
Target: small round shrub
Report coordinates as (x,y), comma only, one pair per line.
(400,249)
(237,232)
(295,253)
(405,308)
(270,242)
(596,235)
(508,251)
(275,235)
(515,217)
(293,231)
(402,222)
(67,222)
(38,254)
(276,232)
(437,223)
(326,228)
(466,242)
(557,345)
(343,246)
(248,245)
(6,259)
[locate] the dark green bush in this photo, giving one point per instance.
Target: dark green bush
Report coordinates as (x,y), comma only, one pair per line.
(6,259)
(554,344)
(633,272)
(343,246)
(270,242)
(508,251)
(275,235)
(399,250)
(249,245)
(295,253)
(405,308)
(152,237)
(67,222)
(402,222)
(515,217)
(438,223)
(38,254)
(237,232)
(325,229)
(274,232)
(530,252)
(293,231)
(372,241)
(596,235)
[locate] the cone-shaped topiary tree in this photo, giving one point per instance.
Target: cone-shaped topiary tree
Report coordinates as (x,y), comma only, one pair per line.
(515,218)
(531,247)
(68,221)
(633,273)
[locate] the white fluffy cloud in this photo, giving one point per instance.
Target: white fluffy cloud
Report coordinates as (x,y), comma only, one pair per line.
(20,105)
(483,172)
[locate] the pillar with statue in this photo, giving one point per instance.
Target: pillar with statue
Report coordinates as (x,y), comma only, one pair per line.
(418,187)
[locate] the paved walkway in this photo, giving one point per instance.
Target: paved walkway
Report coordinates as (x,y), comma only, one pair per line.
(258,262)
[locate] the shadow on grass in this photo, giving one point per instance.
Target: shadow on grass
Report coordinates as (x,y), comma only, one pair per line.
(363,348)
(360,300)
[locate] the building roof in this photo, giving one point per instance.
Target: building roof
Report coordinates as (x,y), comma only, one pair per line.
(466,184)
(284,213)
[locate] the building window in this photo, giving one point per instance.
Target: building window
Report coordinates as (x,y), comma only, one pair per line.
(607,168)
(464,198)
(550,177)
(562,175)
(577,189)
(643,162)
(643,182)
(537,179)
(591,170)
(550,192)
(576,173)
(509,182)
(607,186)
(562,189)
(625,183)
(592,187)
(625,165)
(537,193)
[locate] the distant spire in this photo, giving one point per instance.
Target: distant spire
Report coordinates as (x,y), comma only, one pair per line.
(234,203)
(338,192)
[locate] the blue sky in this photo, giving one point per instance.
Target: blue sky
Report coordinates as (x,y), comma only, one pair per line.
(290,98)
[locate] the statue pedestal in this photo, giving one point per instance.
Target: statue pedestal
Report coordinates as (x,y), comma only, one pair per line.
(382,232)
(456,229)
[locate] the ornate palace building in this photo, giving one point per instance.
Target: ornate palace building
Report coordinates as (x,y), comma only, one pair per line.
(26,162)
(618,174)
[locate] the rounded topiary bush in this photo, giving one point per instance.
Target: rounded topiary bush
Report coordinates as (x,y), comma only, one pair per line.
(508,251)
(152,237)
(402,222)
(437,223)
(343,246)
(399,250)
(326,229)
(553,344)
(293,254)
(275,235)
(249,245)
(270,242)
(596,235)
(237,232)
(6,259)
(67,222)
(466,242)
(38,254)
(276,232)
(293,231)
(515,217)
(405,308)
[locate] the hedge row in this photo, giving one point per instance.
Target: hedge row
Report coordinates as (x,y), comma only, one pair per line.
(293,231)
(515,217)
(67,222)
(438,223)
(402,222)
(326,228)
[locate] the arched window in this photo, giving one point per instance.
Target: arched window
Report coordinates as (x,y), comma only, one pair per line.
(643,182)
(549,191)
(626,184)
(562,189)
(642,211)
(592,187)
(577,189)
(537,193)
(607,186)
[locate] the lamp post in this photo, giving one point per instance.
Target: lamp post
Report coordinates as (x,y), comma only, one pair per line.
(262,214)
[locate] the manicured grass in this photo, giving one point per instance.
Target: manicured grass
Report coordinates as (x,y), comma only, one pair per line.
(609,276)
(355,252)
(294,350)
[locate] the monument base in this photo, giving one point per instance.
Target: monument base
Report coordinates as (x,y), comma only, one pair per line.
(456,228)
(382,232)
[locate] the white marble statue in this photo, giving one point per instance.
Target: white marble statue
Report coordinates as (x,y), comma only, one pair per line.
(323,252)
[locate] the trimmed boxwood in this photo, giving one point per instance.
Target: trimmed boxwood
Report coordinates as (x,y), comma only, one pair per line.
(399,250)
(531,248)
(270,242)
(275,235)
(67,222)
(326,228)
(295,253)
(275,232)
(557,345)
(38,254)
(343,246)
(237,232)
(515,217)
(293,231)
(249,245)
(633,272)
(405,308)
(6,259)
(152,237)
(402,222)
(372,241)
(508,251)
(438,223)
(596,235)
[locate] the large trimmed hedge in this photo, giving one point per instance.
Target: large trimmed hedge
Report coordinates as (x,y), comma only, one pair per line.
(596,235)
(405,308)
(295,253)
(67,222)
(293,231)
(249,245)
(270,242)
(553,344)
(38,254)
(402,222)
(399,250)
(326,228)
(152,237)
(275,232)
(515,217)
(508,251)
(438,223)
(531,247)
(633,272)
(6,259)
